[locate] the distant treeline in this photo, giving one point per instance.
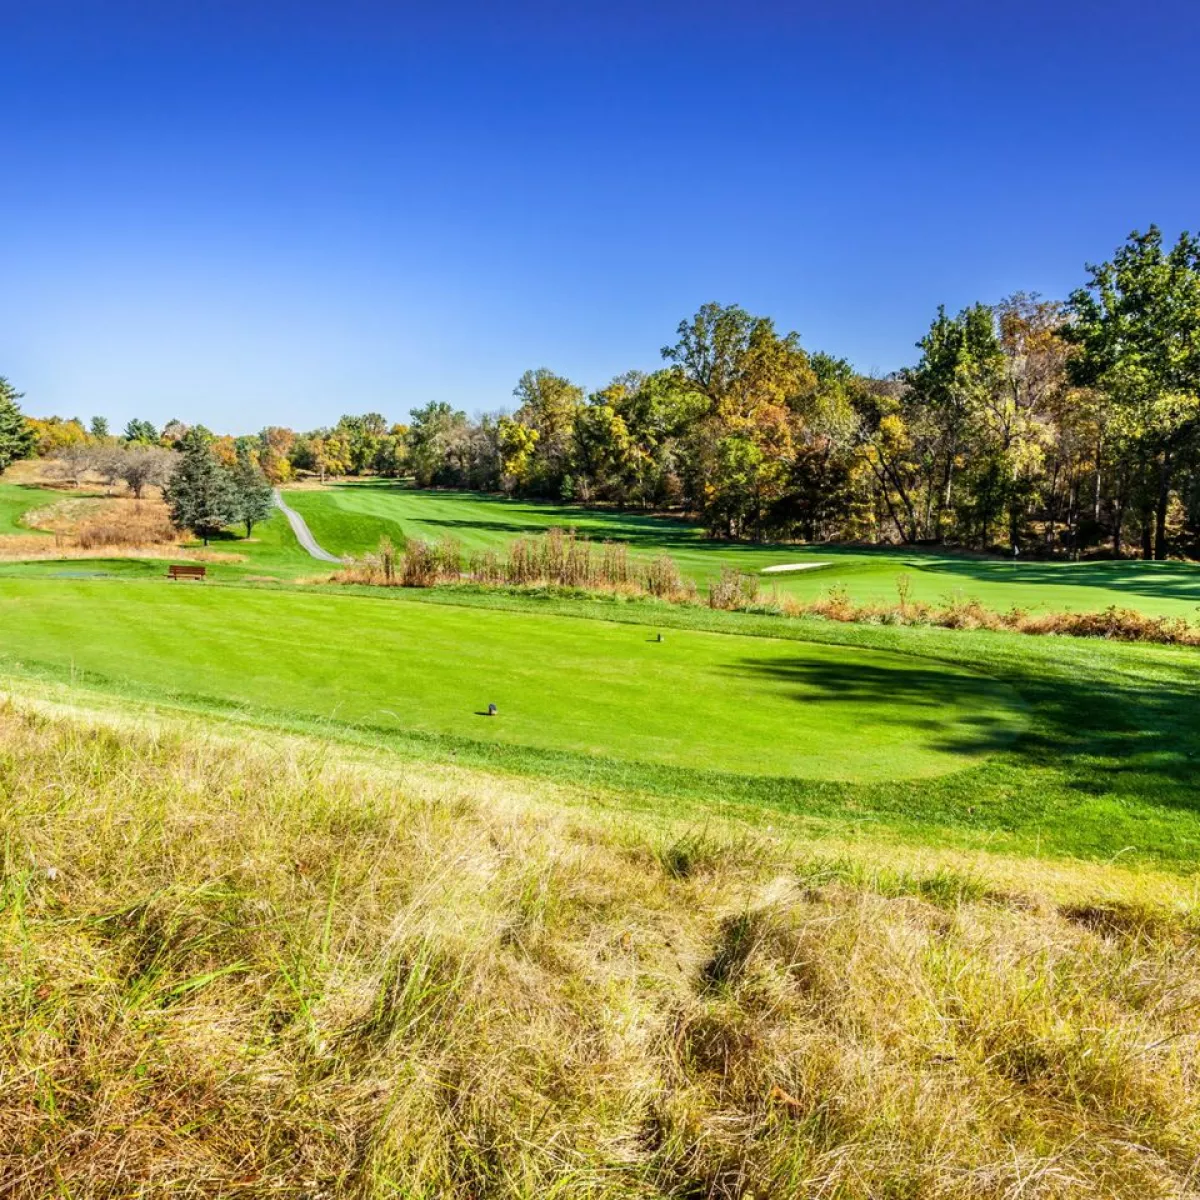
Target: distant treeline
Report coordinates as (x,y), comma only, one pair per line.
(1035,425)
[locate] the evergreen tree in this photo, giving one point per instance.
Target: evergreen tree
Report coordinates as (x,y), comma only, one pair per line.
(100,428)
(16,439)
(141,431)
(253,498)
(200,493)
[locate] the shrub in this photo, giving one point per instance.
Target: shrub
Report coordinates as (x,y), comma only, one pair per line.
(660,577)
(735,589)
(420,565)
(449,558)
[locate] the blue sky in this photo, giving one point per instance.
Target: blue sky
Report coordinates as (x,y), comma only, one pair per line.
(251,213)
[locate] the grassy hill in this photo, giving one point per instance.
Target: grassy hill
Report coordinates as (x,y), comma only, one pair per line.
(237,965)
(770,907)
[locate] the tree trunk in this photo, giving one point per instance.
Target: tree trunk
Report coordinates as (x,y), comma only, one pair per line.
(1071,538)
(947,488)
(1147,533)
(1160,514)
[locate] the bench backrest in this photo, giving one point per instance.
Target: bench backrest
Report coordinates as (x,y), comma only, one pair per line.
(176,572)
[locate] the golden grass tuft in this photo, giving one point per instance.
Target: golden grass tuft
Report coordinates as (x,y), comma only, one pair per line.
(267,970)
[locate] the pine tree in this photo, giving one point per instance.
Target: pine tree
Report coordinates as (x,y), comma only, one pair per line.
(140,431)
(253,496)
(16,439)
(200,494)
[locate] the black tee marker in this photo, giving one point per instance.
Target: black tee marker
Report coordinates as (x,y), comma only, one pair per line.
(492,710)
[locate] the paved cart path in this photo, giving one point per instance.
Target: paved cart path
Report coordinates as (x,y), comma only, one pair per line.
(303,533)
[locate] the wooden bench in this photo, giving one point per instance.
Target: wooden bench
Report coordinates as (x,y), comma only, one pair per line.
(175,571)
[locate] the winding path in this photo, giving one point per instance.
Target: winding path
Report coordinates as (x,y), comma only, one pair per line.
(303,533)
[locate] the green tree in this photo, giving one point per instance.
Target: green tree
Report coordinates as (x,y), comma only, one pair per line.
(961,366)
(1137,324)
(16,439)
(606,456)
(363,437)
(142,432)
(199,493)
(549,405)
(433,430)
(253,497)
(99,428)
(740,451)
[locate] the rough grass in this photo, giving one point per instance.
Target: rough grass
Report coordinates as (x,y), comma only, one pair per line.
(1113,623)
(91,526)
(267,971)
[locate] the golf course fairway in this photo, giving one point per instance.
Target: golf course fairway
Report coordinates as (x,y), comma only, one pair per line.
(747,705)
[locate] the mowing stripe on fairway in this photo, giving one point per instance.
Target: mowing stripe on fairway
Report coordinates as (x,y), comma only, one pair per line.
(749,705)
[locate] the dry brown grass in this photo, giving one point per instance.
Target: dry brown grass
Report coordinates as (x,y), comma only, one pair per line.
(30,549)
(1113,624)
(103,527)
(267,970)
(553,559)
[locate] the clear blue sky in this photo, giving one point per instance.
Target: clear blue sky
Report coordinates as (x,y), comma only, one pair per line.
(249,213)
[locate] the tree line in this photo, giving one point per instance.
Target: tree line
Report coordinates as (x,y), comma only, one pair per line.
(1031,425)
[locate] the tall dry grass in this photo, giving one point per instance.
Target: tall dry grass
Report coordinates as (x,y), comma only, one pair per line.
(960,612)
(557,558)
(263,971)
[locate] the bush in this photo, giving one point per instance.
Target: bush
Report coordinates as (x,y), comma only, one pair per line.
(661,578)
(735,589)
(420,565)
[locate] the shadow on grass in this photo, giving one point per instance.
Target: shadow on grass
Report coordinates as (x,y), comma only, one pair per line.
(912,697)
(1165,581)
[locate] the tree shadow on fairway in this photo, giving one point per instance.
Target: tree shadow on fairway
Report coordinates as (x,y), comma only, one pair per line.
(1123,739)
(1163,581)
(987,716)
(1126,731)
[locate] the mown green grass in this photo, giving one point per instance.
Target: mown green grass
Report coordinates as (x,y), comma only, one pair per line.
(15,501)
(349,518)
(1104,767)
(752,706)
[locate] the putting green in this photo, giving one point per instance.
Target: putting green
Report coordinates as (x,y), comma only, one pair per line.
(754,706)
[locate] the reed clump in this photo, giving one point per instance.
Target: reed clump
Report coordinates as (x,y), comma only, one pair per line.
(558,558)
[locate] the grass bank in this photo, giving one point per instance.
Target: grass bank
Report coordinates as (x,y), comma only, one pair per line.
(271,970)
